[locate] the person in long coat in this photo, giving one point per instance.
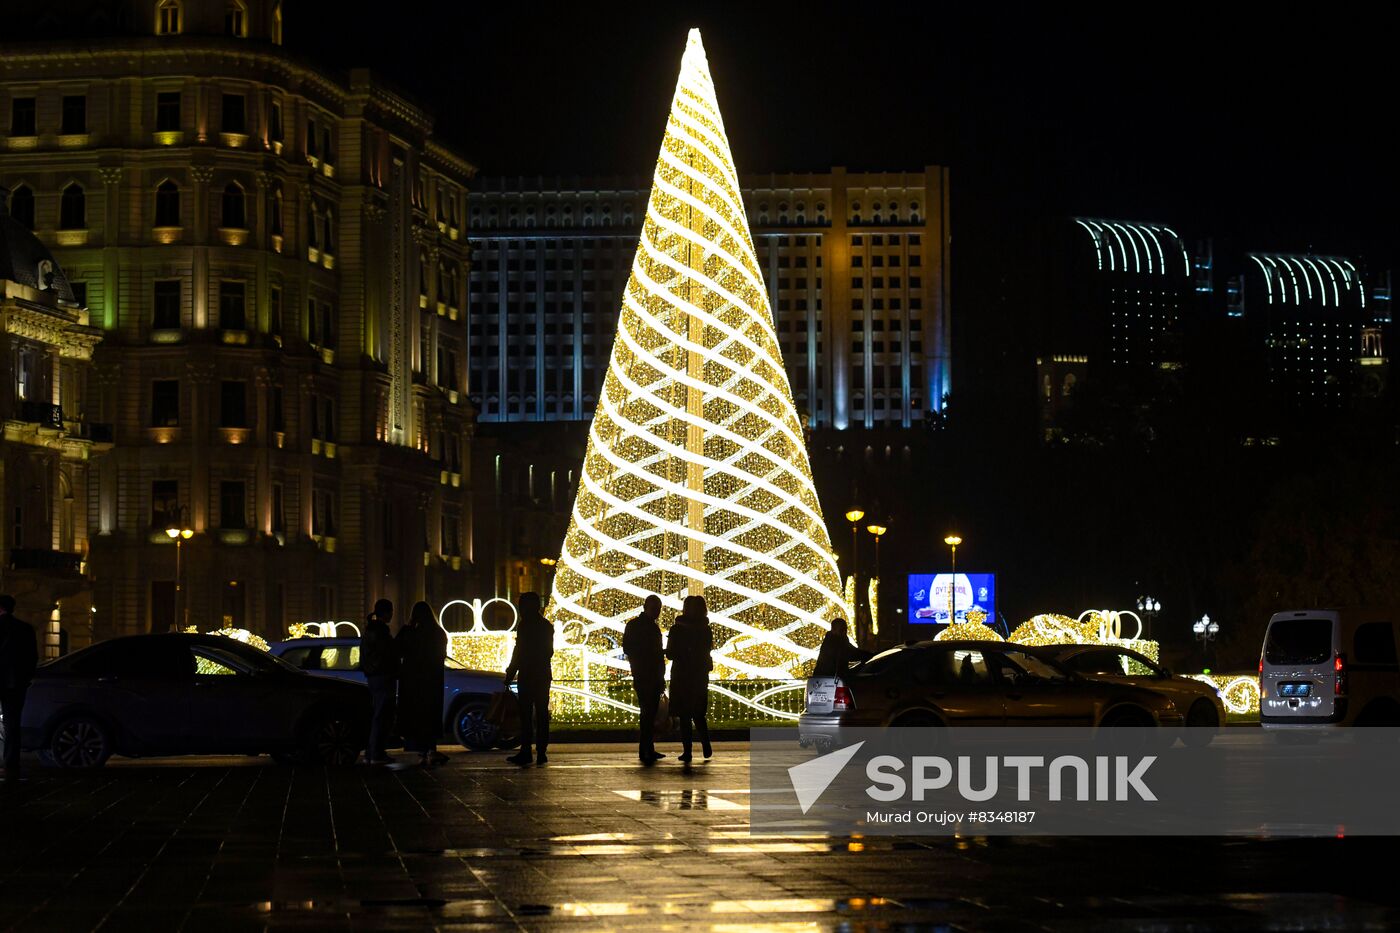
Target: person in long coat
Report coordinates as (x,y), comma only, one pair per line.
(689,645)
(641,642)
(534,648)
(423,650)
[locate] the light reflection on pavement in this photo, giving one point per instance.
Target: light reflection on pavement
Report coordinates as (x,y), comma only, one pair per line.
(594,840)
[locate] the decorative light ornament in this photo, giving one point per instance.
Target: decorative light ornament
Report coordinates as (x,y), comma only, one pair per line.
(696,479)
(480,648)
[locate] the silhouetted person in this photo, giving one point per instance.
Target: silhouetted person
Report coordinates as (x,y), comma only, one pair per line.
(689,646)
(534,647)
(379,658)
(423,657)
(837,652)
(641,642)
(19,655)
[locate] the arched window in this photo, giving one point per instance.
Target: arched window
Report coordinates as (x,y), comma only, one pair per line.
(234,214)
(168,20)
(72,209)
(168,204)
(22,206)
(277,24)
(236,19)
(275,214)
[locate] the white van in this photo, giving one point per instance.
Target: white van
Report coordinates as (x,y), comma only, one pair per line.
(1329,667)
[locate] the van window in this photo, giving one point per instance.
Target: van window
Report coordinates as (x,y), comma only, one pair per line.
(1374,643)
(1299,641)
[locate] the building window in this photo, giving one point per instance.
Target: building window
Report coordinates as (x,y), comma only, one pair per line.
(23,117)
(168,204)
(233,510)
(327,240)
(233,404)
(323,512)
(274,220)
(165,503)
(168,112)
(72,208)
(22,206)
(274,309)
(165,403)
(235,211)
(79,293)
(74,122)
(166,312)
(236,20)
(274,122)
(168,18)
(233,306)
(234,114)
(279,421)
(279,515)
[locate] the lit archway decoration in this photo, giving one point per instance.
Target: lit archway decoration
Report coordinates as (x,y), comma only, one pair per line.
(696,479)
(478,647)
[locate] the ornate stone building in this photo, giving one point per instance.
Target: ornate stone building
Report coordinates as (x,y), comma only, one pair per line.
(276,259)
(47,450)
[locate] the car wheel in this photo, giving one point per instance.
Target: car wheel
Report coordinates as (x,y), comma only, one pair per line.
(79,742)
(471,728)
(332,739)
(1201,722)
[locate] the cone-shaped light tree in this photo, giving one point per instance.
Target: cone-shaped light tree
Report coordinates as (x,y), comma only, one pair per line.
(696,478)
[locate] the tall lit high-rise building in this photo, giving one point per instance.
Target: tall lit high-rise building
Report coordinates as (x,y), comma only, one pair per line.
(856,266)
(276,259)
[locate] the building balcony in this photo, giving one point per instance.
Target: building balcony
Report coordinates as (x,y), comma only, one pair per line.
(167,335)
(442,309)
(45,413)
(327,259)
(167,235)
(233,236)
(313,254)
(328,170)
(234,140)
(163,435)
(234,436)
(237,338)
(236,537)
(168,137)
(275,145)
(23,142)
(25,558)
(71,237)
(276,239)
(74,140)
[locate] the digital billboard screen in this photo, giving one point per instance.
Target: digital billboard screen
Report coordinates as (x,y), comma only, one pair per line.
(928,597)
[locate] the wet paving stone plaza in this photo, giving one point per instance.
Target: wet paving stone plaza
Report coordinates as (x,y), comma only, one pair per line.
(592,840)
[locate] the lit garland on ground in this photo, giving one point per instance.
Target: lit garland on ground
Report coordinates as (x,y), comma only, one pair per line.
(696,478)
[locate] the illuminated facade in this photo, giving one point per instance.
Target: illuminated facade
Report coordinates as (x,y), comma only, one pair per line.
(1320,329)
(855,267)
(48,447)
(276,259)
(696,478)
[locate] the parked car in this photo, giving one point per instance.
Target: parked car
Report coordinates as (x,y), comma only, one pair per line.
(466,693)
(972,683)
(184,694)
(1198,702)
(1329,668)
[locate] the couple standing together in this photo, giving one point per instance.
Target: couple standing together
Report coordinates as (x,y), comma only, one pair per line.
(405,673)
(689,645)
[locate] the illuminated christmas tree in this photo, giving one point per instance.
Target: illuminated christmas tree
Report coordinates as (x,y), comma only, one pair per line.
(696,478)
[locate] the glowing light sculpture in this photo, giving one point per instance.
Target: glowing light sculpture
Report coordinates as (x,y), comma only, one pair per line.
(696,478)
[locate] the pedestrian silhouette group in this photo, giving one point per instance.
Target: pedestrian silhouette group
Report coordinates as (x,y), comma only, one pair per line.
(404,666)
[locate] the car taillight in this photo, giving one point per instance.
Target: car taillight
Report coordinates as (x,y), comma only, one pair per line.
(1261,665)
(842,699)
(1340,666)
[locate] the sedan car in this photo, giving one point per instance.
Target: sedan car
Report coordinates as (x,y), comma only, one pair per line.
(1199,702)
(183,694)
(971,683)
(466,693)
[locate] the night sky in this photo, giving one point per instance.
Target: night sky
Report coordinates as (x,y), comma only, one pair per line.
(1259,127)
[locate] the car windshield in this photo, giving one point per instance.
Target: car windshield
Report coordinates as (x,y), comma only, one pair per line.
(1299,641)
(1110,663)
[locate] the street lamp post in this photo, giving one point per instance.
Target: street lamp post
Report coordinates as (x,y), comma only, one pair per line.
(878,531)
(953,541)
(180,533)
(854,516)
(1149,607)
(549,563)
(1206,632)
